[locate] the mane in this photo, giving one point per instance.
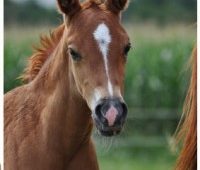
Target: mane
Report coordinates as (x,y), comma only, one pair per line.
(187,132)
(47,45)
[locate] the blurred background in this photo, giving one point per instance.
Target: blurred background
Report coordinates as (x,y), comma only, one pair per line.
(163,33)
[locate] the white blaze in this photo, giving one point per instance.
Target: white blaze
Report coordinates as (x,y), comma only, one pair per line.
(96,97)
(103,38)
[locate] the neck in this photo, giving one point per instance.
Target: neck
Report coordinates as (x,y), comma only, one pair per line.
(65,117)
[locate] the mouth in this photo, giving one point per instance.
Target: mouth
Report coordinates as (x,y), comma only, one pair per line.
(107,130)
(109,133)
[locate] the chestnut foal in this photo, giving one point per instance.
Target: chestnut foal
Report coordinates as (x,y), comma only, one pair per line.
(75,78)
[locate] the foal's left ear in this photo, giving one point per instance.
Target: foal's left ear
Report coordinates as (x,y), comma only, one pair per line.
(69,7)
(116,6)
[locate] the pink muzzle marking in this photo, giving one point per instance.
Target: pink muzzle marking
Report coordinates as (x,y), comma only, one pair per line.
(111,115)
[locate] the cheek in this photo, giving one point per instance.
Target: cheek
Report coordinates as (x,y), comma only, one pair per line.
(82,79)
(118,74)
(121,80)
(122,67)
(77,76)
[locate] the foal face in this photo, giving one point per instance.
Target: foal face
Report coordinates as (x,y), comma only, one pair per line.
(97,46)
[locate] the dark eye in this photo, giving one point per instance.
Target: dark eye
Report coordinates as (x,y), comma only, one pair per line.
(74,54)
(127,49)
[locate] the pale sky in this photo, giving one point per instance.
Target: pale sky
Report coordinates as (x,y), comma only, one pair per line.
(45,3)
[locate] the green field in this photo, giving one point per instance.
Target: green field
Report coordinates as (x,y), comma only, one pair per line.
(127,154)
(155,86)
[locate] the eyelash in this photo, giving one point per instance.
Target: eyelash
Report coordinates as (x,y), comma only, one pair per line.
(74,54)
(127,49)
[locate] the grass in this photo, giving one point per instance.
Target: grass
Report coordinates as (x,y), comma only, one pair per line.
(157,65)
(155,78)
(126,154)
(138,159)
(17,48)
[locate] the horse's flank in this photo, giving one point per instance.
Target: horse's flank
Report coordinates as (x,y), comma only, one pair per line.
(188,131)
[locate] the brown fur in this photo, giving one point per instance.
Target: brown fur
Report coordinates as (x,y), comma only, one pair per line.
(188,131)
(69,7)
(47,122)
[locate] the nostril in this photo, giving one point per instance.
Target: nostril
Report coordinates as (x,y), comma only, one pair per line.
(99,112)
(125,109)
(98,109)
(105,107)
(122,109)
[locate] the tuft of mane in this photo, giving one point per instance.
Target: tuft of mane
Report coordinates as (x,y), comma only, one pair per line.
(47,45)
(187,132)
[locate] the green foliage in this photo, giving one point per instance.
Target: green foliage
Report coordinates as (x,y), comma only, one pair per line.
(160,11)
(155,76)
(18,47)
(29,13)
(122,154)
(14,63)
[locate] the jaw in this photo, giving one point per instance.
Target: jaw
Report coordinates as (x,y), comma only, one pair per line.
(109,133)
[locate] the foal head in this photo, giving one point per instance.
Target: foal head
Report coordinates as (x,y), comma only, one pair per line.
(97,47)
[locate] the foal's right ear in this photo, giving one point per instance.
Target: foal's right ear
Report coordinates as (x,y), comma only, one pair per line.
(69,7)
(116,6)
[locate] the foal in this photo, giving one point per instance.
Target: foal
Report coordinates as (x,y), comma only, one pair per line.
(75,79)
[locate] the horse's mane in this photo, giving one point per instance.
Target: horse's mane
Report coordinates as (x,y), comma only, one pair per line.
(47,44)
(187,133)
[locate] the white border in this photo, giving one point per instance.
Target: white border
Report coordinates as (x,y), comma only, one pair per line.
(1,80)
(198,82)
